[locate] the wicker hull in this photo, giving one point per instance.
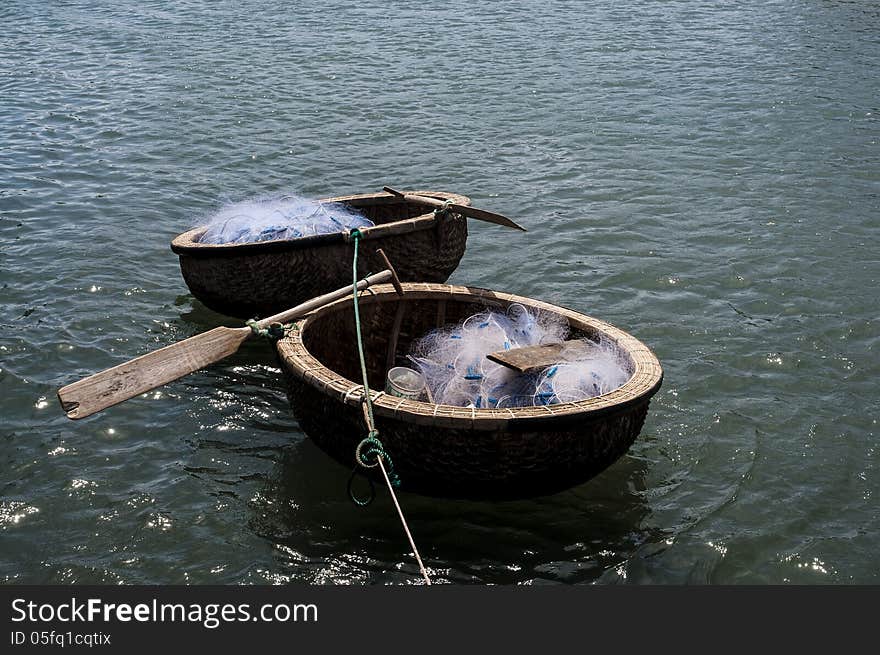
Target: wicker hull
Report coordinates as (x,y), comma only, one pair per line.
(449,451)
(260,279)
(472,464)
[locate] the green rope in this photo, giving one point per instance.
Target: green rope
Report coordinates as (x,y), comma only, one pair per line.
(274,331)
(356,237)
(367,447)
(370,445)
(360,502)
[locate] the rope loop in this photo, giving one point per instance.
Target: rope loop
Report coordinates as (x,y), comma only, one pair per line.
(360,502)
(368,452)
(369,446)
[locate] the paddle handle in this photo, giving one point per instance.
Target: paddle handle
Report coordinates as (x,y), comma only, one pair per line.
(396,228)
(470,212)
(304,308)
(412,197)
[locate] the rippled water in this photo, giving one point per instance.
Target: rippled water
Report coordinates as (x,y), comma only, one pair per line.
(705,176)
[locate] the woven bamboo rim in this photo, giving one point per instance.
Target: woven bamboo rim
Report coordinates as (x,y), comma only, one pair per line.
(644,382)
(188,242)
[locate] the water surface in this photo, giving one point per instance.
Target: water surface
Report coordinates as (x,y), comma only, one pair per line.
(705,177)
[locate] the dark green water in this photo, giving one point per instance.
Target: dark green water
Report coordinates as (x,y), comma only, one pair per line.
(703,175)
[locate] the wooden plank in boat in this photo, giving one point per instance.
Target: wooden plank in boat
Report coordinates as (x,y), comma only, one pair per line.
(533,357)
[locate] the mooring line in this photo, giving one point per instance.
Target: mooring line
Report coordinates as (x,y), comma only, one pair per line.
(405,526)
(371,444)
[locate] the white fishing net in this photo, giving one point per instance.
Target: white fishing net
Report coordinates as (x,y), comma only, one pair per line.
(281,217)
(453,361)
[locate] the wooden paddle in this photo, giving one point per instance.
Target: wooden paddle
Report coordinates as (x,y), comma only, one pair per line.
(472,212)
(117,384)
(530,358)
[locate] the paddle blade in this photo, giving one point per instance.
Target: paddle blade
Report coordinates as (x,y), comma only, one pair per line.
(110,387)
(483,215)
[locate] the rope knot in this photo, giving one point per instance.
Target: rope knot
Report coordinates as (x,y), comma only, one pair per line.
(369,447)
(444,210)
(274,331)
(368,452)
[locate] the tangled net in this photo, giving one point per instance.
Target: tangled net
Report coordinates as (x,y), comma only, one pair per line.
(285,217)
(453,361)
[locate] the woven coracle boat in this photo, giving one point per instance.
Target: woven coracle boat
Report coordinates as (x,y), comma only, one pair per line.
(448,451)
(258,279)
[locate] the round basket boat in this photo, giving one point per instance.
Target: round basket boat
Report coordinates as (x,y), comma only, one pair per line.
(448,451)
(258,279)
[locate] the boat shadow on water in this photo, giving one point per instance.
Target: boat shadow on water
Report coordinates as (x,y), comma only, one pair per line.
(578,536)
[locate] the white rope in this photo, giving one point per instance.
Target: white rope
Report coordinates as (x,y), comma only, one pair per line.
(403,521)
